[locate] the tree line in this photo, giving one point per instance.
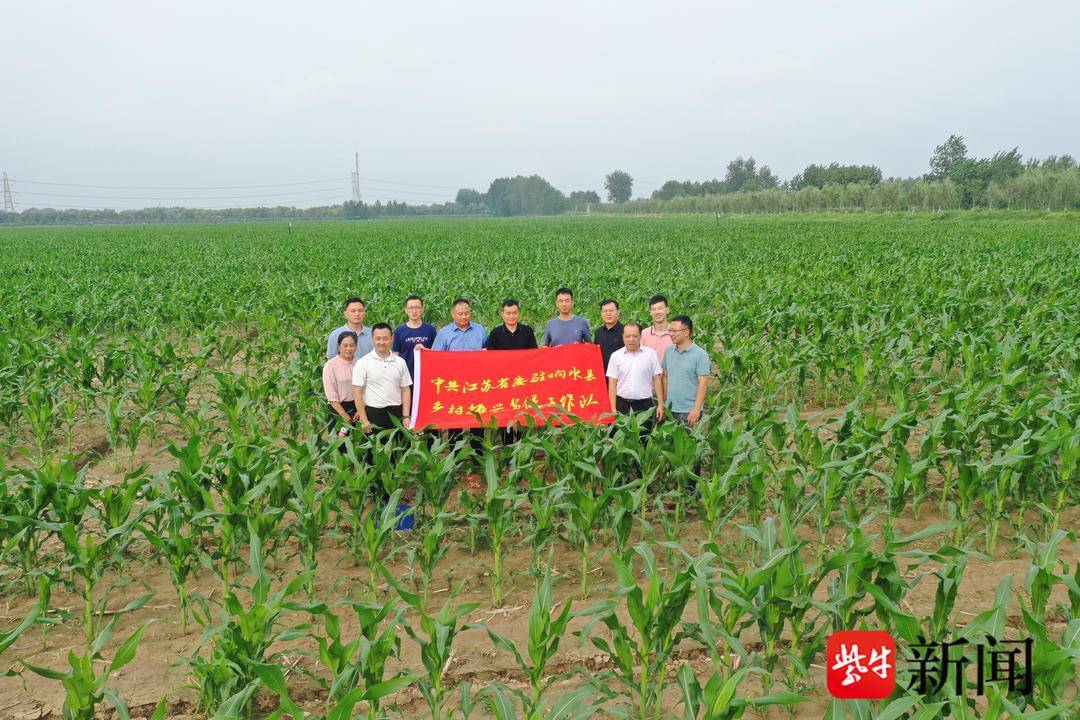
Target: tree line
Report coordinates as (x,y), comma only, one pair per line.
(955,181)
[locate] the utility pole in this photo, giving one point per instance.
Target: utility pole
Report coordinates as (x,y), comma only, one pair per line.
(356,180)
(9,201)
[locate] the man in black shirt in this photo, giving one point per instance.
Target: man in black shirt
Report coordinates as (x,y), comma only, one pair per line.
(609,335)
(511,335)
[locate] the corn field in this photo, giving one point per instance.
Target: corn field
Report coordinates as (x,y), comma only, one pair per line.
(890,442)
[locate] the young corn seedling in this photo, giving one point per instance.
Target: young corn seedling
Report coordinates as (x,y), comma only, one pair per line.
(376,529)
(244,637)
(1042,575)
(362,661)
(86,686)
(545,501)
(546,631)
(718,701)
(89,553)
(435,638)
(273,678)
(430,549)
(311,504)
(585,510)
(178,544)
(501,498)
(640,650)
(573,705)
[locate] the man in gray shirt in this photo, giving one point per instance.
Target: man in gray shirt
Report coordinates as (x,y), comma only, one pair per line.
(686,373)
(568,327)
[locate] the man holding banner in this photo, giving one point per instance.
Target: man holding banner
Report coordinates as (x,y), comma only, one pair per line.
(381,384)
(511,335)
(463,333)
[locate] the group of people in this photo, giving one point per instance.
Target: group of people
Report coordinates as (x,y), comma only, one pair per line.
(368,374)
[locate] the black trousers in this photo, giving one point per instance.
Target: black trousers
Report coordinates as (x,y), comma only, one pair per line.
(334,418)
(625,407)
(380,417)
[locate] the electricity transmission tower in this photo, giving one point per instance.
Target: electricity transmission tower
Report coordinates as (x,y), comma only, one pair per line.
(9,202)
(356,180)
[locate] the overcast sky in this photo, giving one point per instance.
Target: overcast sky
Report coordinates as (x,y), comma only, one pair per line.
(440,95)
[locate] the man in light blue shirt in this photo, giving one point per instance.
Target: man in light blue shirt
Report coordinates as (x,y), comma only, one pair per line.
(463,333)
(686,373)
(354,312)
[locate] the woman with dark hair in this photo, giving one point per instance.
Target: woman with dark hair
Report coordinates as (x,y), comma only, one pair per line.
(337,383)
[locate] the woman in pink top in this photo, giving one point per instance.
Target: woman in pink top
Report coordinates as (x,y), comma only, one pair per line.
(337,384)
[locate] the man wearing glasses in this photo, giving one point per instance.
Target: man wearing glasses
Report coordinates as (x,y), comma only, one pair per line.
(686,373)
(414,332)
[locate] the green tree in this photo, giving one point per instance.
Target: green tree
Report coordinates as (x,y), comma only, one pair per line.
(741,175)
(947,158)
(581,198)
(520,195)
(619,186)
(468,196)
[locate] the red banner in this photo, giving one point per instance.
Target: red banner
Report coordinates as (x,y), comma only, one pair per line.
(451,388)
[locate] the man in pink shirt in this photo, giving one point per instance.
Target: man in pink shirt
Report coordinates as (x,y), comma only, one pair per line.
(658,335)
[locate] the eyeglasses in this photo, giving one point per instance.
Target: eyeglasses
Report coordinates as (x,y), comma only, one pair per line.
(679,329)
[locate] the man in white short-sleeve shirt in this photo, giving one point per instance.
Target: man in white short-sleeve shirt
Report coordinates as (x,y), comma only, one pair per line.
(381,383)
(634,373)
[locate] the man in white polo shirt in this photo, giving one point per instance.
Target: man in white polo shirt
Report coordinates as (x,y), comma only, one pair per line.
(634,374)
(381,383)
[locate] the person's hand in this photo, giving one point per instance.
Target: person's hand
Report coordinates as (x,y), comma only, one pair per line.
(405,423)
(693,417)
(368,427)
(659,412)
(355,418)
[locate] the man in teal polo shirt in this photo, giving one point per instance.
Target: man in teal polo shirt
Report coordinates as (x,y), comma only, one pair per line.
(686,373)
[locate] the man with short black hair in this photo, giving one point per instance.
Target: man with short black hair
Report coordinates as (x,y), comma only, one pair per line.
(463,333)
(511,335)
(567,327)
(609,336)
(658,335)
(381,383)
(413,333)
(354,311)
(634,377)
(686,373)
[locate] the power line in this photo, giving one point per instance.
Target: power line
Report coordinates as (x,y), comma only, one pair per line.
(195,197)
(336,199)
(166,187)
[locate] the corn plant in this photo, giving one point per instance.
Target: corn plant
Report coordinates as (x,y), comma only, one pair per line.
(640,650)
(435,638)
(546,632)
(718,701)
(501,498)
(311,505)
(1043,573)
(273,678)
(87,687)
(584,511)
(428,551)
(375,530)
(243,638)
(362,661)
(177,542)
